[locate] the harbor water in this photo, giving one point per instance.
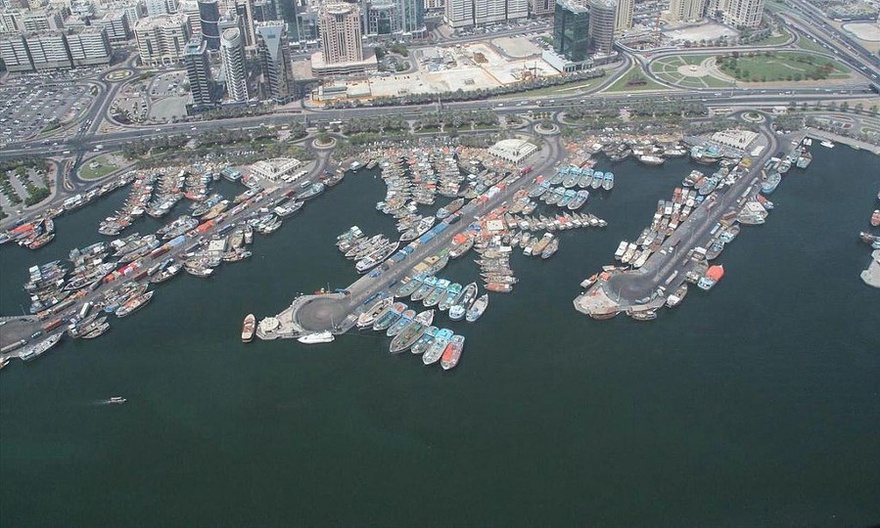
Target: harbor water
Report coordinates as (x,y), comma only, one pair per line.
(755,404)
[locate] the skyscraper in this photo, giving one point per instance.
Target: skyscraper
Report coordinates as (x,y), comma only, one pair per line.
(412,16)
(198,72)
(341,34)
(274,54)
(209,16)
(744,13)
(603,16)
(232,56)
(571,25)
(542,7)
(624,15)
(161,39)
(466,13)
(686,10)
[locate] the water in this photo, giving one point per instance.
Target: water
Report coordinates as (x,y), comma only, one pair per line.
(755,404)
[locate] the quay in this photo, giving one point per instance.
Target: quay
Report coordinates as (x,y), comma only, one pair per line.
(644,290)
(329,312)
(871,275)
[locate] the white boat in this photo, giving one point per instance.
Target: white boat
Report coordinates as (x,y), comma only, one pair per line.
(317,337)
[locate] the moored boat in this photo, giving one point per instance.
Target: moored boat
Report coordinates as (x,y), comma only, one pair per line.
(438,346)
(452,353)
(476,310)
(247,328)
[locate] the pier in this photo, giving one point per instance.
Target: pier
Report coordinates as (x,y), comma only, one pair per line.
(645,289)
(328,312)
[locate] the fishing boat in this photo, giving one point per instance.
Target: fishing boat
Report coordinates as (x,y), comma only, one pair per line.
(437,293)
(316,337)
(247,328)
(579,200)
(368,317)
(134,304)
(476,310)
(425,340)
(427,286)
(677,296)
(424,225)
(460,308)
(711,278)
(608,181)
(435,350)
(372,260)
(37,349)
(771,182)
(450,208)
(461,244)
(453,292)
(408,286)
(412,332)
(452,353)
(551,248)
(405,318)
(313,190)
(598,179)
(388,316)
(875,218)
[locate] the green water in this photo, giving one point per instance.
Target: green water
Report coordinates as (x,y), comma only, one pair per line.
(754,405)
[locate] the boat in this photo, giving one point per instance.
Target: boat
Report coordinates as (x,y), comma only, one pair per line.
(452,353)
(803,161)
(37,349)
(412,332)
(711,278)
(579,200)
(427,286)
(97,330)
(461,244)
(424,225)
(453,291)
(476,310)
(247,328)
(134,304)
(287,209)
(368,317)
(551,248)
(730,233)
(771,182)
(313,190)
(714,249)
(166,273)
(425,340)
(651,160)
(705,154)
(372,260)
(437,293)
(408,286)
(437,347)
(388,316)
(450,208)
(643,315)
(875,218)
(118,400)
(677,296)
(398,326)
(598,179)
(608,181)
(316,337)
(460,308)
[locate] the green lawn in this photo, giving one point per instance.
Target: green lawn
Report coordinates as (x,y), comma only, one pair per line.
(96,168)
(773,40)
(781,66)
(667,69)
(808,45)
(620,84)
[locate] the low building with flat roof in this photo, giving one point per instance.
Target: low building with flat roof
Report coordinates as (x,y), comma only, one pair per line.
(513,150)
(274,169)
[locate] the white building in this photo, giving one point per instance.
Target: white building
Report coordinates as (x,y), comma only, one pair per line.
(89,47)
(161,7)
(48,50)
(341,34)
(686,10)
(513,150)
(744,13)
(161,39)
(274,169)
(116,24)
(467,13)
(232,56)
(13,51)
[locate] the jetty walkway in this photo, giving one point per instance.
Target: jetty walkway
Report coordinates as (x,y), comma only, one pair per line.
(640,290)
(316,313)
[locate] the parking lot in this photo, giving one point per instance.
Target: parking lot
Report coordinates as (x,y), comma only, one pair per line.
(30,104)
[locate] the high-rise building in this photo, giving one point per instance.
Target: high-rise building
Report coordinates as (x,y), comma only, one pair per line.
(274,53)
(161,7)
(40,20)
(624,19)
(466,13)
(434,5)
(245,11)
(341,34)
(48,50)
(603,17)
(14,52)
(542,7)
(116,24)
(686,10)
(89,46)
(265,10)
(571,25)
(232,57)
(744,13)
(198,72)
(161,39)
(412,16)
(209,17)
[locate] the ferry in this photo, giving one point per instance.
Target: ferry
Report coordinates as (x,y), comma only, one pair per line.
(316,337)
(247,329)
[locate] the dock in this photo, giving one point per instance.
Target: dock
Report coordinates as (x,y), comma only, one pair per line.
(639,291)
(327,312)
